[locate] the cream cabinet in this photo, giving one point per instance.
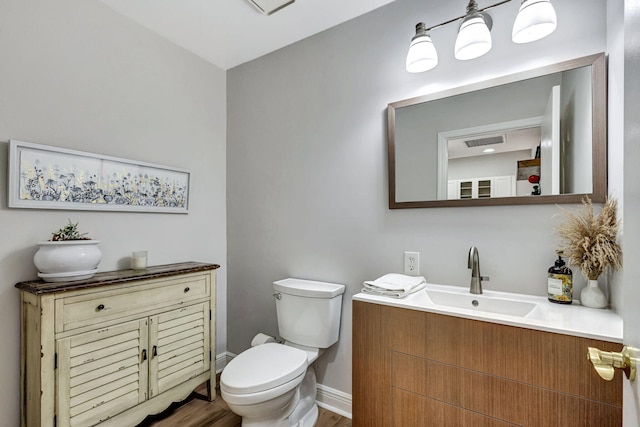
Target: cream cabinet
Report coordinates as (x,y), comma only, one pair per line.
(115,348)
(479,188)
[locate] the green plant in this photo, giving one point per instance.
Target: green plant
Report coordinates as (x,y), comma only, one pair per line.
(69,232)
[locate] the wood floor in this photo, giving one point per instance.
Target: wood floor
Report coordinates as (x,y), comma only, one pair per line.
(195,411)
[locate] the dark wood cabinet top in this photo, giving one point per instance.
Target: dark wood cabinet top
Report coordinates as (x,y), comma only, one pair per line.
(40,287)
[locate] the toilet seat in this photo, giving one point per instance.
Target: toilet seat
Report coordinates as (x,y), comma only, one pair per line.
(262,368)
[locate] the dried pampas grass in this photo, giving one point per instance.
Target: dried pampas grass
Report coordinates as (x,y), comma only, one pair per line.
(589,240)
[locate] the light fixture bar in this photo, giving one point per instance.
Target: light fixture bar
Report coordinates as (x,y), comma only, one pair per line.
(464,16)
(267,7)
(536,19)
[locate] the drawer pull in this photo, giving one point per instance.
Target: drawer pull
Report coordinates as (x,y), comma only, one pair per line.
(100,307)
(186,289)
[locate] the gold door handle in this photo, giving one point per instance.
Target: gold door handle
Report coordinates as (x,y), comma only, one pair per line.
(605,362)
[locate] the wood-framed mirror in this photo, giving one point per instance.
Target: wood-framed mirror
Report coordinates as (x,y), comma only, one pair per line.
(534,137)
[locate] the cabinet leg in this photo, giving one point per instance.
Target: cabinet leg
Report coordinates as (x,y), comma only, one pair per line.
(210,396)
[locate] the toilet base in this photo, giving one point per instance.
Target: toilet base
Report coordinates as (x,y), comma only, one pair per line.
(305,412)
(309,420)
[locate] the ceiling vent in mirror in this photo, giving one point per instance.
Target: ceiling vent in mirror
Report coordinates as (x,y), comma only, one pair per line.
(270,6)
(485,141)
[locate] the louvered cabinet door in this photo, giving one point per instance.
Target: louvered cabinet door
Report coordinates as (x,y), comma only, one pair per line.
(101,373)
(180,348)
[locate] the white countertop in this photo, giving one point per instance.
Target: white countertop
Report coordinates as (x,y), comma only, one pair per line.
(568,319)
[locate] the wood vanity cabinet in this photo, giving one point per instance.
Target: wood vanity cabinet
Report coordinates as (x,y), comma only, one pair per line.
(414,368)
(115,348)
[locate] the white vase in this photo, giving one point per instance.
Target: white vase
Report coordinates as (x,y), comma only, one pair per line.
(67,260)
(592,296)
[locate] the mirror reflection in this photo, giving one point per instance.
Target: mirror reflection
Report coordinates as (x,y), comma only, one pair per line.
(523,140)
(502,164)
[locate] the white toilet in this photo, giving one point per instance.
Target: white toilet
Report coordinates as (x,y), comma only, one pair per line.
(274,384)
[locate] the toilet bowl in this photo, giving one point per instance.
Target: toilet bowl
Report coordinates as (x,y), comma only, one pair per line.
(263,383)
(273,384)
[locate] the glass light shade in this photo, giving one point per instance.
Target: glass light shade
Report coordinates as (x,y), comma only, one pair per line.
(422,55)
(474,38)
(536,19)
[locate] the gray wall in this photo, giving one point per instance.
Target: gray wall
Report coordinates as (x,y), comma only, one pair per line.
(307,171)
(416,154)
(497,164)
(575,131)
(76,75)
(616,123)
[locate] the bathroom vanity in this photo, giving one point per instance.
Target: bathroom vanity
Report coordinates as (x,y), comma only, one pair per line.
(115,348)
(419,364)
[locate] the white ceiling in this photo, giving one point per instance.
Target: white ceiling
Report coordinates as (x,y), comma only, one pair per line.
(514,140)
(230,32)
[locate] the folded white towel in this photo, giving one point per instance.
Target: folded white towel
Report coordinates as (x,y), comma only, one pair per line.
(393,294)
(395,281)
(394,285)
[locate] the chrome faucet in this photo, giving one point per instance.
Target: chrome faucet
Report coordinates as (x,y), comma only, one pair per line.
(476,278)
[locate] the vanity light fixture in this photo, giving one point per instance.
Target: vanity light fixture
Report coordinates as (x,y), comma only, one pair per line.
(536,19)
(474,35)
(422,54)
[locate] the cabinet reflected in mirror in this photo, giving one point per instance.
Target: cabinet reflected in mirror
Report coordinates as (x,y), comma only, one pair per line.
(506,163)
(534,137)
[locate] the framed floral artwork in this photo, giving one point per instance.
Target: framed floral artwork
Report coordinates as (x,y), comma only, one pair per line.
(45,177)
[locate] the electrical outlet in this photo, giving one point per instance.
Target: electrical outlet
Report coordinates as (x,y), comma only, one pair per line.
(412,263)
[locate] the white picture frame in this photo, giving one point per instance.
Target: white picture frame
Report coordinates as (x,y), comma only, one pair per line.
(46,177)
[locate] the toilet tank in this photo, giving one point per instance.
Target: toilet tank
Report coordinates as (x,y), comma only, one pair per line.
(308,311)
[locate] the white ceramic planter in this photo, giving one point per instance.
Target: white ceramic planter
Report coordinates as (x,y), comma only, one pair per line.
(67,260)
(592,296)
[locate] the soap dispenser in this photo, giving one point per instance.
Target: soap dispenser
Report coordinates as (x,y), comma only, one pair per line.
(560,282)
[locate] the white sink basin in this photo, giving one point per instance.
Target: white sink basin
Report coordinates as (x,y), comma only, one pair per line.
(481,303)
(506,308)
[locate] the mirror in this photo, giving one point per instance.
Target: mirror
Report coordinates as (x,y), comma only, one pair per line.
(530,138)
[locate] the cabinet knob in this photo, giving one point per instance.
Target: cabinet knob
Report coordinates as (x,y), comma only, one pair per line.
(100,307)
(186,289)
(144,354)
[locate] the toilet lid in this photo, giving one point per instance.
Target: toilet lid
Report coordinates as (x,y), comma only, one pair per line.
(263,367)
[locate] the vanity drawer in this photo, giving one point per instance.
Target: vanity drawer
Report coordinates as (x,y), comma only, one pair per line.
(83,310)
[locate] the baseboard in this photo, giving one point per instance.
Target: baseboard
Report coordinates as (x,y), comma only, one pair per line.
(222,359)
(334,400)
(328,398)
